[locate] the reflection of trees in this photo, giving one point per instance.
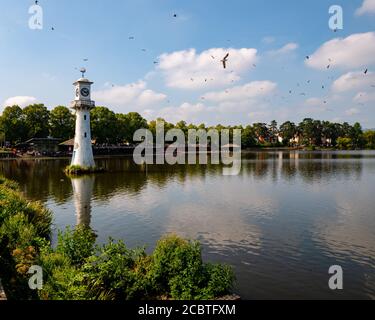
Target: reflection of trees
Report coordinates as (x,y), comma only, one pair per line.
(39,179)
(44,179)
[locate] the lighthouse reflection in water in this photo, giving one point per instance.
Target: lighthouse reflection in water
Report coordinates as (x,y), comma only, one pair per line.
(82,193)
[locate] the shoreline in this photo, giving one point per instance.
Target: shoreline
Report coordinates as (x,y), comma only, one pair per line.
(244,151)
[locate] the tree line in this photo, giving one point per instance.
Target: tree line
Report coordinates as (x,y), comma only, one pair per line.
(36,121)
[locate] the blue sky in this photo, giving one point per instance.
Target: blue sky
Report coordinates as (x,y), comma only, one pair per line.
(268,41)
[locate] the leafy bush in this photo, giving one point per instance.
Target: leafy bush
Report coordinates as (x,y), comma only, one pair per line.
(178,271)
(114,272)
(76,245)
(23,226)
(117,273)
(344,143)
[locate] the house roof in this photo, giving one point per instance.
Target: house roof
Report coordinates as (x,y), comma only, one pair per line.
(69,142)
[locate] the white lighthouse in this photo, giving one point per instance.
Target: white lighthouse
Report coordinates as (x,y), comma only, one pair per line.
(82,104)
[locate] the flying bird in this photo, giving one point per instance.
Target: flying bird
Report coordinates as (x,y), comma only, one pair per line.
(52,28)
(224,61)
(85,59)
(131,38)
(307,57)
(328,66)
(213,57)
(175,15)
(366,71)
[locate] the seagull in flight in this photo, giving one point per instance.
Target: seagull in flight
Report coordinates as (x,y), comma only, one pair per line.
(366,71)
(224,61)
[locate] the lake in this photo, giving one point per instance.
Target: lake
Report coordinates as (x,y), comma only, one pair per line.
(281,223)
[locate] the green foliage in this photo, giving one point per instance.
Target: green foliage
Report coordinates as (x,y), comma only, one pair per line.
(369,139)
(117,273)
(77,245)
(12,124)
(344,143)
(24,226)
(128,124)
(77,170)
(36,120)
(61,123)
(178,270)
(103,125)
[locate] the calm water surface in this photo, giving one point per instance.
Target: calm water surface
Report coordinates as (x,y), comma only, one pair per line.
(281,223)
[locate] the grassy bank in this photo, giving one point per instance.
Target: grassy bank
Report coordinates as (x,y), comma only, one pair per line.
(76,170)
(78,269)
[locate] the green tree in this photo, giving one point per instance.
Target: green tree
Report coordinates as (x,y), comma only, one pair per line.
(104,125)
(61,123)
(356,134)
(36,120)
(12,124)
(344,143)
(311,131)
(288,130)
(273,131)
(128,124)
(248,137)
(369,137)
(262,132)
(133,122)
(152,125)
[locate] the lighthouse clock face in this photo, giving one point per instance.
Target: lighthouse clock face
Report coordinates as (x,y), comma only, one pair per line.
(85,92)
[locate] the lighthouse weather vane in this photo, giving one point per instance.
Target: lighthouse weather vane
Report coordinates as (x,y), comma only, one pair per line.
(83,71)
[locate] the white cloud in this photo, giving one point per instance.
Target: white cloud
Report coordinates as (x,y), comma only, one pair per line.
(186,111)
(247,91)
(189,70)
(288,48)
(21,101)
(313,101)
(364,97)
(352,112)
(368,7)
(354,81)
(355,51)
(133,95)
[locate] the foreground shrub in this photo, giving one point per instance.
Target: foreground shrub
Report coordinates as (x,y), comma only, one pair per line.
(24,226)
(178,270)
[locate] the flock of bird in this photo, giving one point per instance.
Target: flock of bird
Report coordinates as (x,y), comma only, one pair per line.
(225,62)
